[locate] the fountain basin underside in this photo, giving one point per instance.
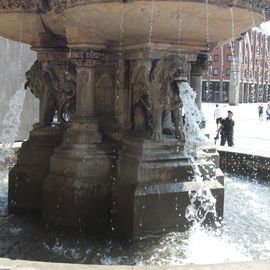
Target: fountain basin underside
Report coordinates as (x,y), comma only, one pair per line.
(98,24)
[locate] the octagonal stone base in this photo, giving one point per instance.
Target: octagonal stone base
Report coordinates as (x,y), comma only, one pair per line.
(76,193)
(152,192)
(27,176)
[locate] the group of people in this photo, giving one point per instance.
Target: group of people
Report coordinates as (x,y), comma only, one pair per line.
(225,127)
(260,110)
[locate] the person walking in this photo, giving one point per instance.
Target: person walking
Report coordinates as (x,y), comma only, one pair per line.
(217,115)
(260,110)
(268,113)
(227,130)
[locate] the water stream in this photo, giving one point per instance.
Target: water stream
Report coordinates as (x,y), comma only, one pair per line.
(202,201)
(8,136)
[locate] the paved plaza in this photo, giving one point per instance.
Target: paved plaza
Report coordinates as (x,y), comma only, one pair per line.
(251,133)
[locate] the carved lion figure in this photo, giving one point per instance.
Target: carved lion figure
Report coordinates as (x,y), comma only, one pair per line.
(55,87)
(155,89)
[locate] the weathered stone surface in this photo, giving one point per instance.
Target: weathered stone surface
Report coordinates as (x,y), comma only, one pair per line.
(76,193)
(245,164)
(54,84)
(98,23)
(156,96)
(22,265)
(151,193)
(26,178)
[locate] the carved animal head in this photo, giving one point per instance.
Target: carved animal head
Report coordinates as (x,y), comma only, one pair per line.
(168,71)
(176,67)
(35,79)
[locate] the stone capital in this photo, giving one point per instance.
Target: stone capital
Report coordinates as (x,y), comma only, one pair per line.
(85,57)
(202,63)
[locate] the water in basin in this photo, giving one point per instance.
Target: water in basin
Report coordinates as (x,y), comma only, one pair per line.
(243,235)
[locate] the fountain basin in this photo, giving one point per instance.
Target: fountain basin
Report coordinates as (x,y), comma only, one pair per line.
(129,84)
(97,23)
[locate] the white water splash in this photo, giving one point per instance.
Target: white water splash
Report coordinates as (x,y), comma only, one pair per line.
(194,137)
(202,242)
(11,120)
(11,124)
(202,201)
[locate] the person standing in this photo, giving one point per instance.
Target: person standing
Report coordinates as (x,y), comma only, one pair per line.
(260,110)
(217,115)
(227,130)
(268,113)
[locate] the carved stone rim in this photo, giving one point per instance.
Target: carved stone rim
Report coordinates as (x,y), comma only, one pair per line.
(60,5)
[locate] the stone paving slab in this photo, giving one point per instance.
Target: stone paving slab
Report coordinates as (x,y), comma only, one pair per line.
(7,264)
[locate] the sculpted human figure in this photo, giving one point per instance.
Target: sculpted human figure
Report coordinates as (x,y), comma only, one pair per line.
(155,89)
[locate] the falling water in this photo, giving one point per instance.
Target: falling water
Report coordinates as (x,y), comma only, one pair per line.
(151,19)
(179,27)
(234,68)
(252,15)
(11,125)
(267,61)
(209,71)
(202,201)
(118,84)
(250,64)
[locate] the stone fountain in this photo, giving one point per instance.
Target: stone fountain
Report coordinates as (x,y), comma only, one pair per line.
(107,151)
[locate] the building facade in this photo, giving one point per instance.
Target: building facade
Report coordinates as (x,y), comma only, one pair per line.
(239,72)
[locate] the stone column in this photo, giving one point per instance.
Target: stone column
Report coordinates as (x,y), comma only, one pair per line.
(76,192)
(26,178)
(245,100)
(241,92)
(234,82)
(196,76)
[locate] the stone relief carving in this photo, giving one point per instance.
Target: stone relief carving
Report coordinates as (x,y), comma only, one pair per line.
(26,5)
(202,64)
(156,101)
(104,95)
(55,86)
(86,57)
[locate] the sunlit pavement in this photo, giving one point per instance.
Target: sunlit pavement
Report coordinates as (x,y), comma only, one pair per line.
(8,264)
(251,135)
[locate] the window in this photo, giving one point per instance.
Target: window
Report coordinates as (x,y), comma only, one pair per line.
(228,71)
(216,58)
(229,58)
(215,71)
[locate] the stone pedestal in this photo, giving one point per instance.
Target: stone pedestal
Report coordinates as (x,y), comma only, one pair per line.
(151,192)
(27,176)
(76,192)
